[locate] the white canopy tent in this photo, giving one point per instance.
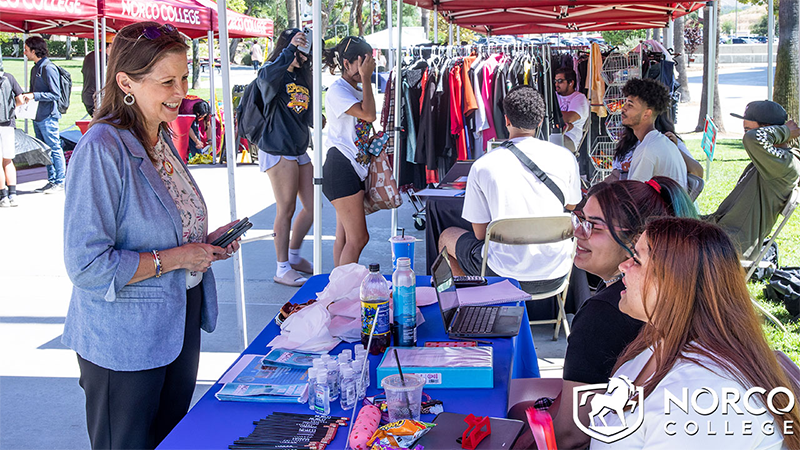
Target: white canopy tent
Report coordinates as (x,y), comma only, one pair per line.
(411,36)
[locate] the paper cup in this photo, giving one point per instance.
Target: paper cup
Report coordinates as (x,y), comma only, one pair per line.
(402,247)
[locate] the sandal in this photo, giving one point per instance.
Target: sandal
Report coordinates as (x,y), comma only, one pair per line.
(303,266)
(290,278)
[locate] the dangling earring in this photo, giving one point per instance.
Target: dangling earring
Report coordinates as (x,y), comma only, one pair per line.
(129,99)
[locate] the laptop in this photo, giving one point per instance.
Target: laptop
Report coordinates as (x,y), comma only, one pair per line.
(456,177)
(470,321)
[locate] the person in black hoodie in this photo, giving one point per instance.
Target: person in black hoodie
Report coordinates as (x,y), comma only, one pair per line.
(285,82)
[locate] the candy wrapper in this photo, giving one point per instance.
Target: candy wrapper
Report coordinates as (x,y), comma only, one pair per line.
(389,447)
(400,434)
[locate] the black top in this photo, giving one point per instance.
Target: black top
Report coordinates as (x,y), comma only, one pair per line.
(16,90)
(600,332)
(87,92)
(289,126)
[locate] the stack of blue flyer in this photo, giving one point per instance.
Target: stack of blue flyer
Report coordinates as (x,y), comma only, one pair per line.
(254,378)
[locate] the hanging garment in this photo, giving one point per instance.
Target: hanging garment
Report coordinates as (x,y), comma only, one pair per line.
(456,105)
(487,92)
(596,83)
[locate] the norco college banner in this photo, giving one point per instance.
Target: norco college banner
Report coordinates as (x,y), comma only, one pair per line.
(246,26)
(189,17)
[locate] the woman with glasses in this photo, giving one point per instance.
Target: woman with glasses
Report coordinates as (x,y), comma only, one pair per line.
(700,334)
(285,82)
(136,248)
(350,107)
(606,229)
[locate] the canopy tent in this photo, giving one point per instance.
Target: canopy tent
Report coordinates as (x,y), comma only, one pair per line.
(240,25)
(51,17)
(191,18)
(411,36)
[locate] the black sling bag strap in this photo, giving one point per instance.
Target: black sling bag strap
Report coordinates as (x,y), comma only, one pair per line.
(536,170)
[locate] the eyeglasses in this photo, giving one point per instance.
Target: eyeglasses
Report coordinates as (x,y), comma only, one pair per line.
(584,228)
(560,80)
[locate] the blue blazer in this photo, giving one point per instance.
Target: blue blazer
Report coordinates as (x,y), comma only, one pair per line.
(116,207)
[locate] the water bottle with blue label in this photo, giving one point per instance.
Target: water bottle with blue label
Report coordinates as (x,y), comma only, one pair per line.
(405,304)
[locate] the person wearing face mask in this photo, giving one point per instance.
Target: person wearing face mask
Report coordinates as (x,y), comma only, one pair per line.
(684,281)
(350,107)
(606,228)
(285,82)
(137,249)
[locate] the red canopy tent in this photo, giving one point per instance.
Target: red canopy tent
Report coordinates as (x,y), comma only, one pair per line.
(67,17)
(191,18)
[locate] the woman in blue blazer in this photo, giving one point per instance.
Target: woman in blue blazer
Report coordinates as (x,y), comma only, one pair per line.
(135,248)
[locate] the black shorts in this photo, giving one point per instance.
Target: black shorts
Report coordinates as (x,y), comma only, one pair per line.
(469,253)
(339,178)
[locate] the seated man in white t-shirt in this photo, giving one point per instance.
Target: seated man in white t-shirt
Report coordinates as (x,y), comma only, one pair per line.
(500,186)
(574,109)
(655,155)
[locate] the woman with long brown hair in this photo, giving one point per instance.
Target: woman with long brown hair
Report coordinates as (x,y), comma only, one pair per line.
(701,334)
(137,249)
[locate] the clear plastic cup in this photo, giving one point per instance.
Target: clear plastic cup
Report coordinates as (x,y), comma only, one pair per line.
(404,400)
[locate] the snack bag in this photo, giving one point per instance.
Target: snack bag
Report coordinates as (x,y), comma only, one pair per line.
(400,434)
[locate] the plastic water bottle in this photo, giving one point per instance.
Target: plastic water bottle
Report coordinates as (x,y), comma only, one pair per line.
(359,380)
(322,404)
(375,301)
(348,387)
(345,356)
(333,379)
(312,388)
(405,304)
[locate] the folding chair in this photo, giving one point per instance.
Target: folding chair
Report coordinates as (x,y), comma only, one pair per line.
(788,210)
(694,186)
(535,230)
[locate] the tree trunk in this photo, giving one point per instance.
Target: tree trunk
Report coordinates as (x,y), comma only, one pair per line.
(680,61)
(351,19)
(787,74)
(717,114)
(232,49)
(291,13)
(656,34)
(196,64)
(426,24)
(68,48)
(359,16)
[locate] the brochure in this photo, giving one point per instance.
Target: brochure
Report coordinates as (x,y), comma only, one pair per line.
(292,358)
(253,379)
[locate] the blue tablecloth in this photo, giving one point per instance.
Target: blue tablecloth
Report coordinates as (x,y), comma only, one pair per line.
(212,424)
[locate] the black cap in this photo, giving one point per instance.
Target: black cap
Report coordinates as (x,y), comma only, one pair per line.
(374,267)
(764,111)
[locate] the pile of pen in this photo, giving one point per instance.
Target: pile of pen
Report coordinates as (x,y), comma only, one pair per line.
(289,431)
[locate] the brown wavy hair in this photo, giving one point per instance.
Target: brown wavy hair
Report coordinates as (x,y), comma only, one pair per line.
(135,55)
(702,311)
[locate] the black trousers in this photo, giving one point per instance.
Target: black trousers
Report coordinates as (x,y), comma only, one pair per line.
(136,410)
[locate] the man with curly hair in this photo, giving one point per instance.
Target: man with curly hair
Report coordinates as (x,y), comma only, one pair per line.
(655,155)
(501,185)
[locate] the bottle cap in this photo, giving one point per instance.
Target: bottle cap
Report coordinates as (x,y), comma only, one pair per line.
(322,377)
(374,267)
(347,371)
(345,356)
(318,363)
(404,262)
(332,365)
(312,373)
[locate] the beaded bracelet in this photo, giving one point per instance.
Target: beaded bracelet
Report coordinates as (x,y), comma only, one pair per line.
(157,263)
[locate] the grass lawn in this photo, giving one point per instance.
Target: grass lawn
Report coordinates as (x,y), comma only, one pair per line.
(730,159)
(76,110)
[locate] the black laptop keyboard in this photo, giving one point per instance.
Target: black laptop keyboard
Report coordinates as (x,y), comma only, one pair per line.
(477,319)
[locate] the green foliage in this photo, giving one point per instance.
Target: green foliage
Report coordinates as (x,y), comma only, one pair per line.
(693,37)
(466,35)
(761,28)
(727,27)
(57,49)
(619,37)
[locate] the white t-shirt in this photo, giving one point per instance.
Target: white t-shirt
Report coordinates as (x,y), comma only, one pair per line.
(688,375)
(500,187)
(578,103)
(345,132)
(656,155)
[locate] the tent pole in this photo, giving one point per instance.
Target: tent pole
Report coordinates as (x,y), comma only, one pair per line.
(316,92)
(449,34)
(231,147)
(103,53)
(436,23)
(398,89)
(98,68)
(213,98)
(770,55)
(389,7)
(458,35)
(25,72)
(712,48)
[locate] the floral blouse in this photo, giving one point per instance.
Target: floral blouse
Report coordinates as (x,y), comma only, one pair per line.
(184,193)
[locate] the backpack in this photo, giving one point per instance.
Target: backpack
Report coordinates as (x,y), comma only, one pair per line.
(7,103)
(252,122)
(65,87)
